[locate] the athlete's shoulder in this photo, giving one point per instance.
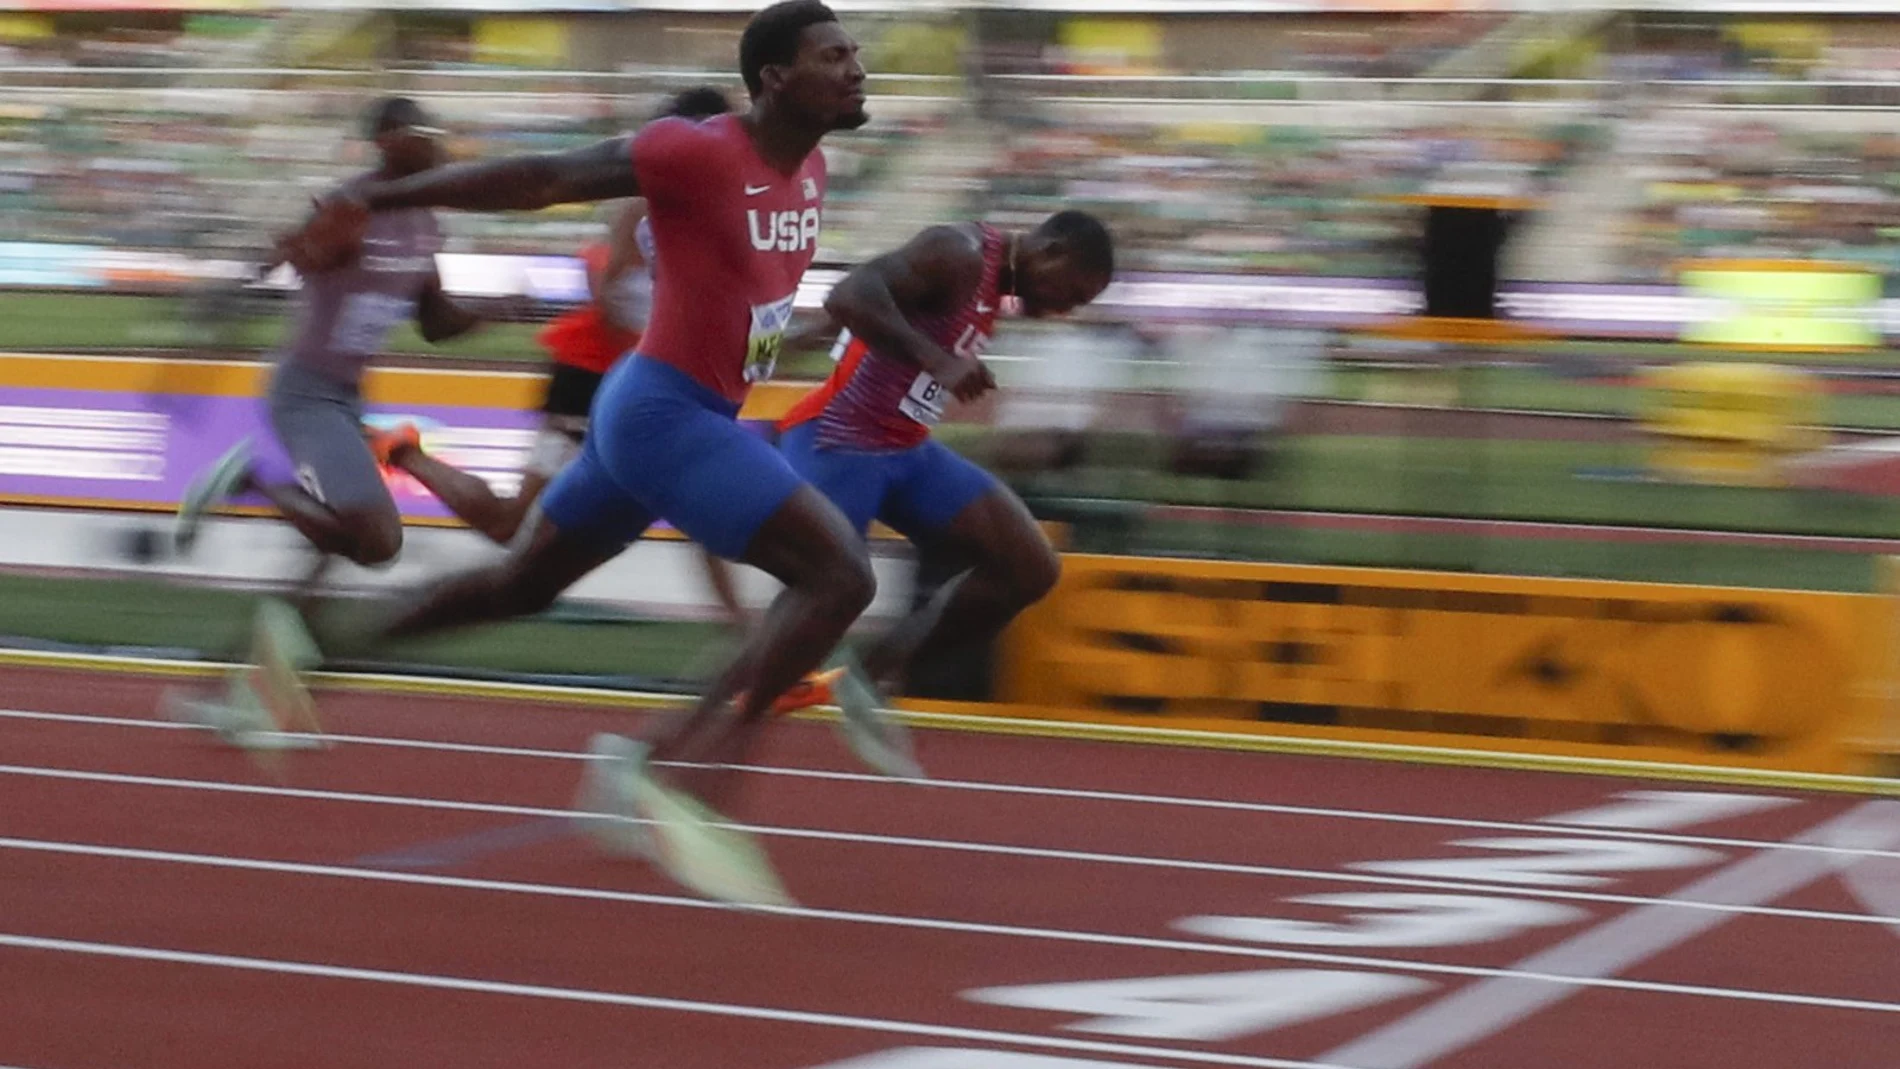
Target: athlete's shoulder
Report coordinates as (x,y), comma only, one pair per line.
(944,241)
(952,254)
(671,151)
(674,134)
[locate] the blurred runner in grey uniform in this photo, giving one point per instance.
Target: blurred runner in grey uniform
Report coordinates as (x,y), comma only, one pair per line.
(335,494)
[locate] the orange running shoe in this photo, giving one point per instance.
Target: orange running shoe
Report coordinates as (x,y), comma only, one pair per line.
(385,444)
(814,689)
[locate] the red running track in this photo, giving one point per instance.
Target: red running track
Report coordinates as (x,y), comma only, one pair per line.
(416,896)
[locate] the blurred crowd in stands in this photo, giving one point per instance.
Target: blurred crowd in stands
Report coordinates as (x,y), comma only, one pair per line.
(198,168)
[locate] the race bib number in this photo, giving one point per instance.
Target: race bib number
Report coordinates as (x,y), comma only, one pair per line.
(924,402)
(767,338)
(365,320)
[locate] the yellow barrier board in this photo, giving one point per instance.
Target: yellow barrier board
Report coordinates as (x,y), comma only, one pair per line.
(1884,740)
(1745,678)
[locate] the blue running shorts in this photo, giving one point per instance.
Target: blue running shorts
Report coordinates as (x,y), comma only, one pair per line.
(660,446)
(916,491)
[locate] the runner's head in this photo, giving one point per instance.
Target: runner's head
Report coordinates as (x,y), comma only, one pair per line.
(405,139)
(795,56)
(1064,263)
(697,104)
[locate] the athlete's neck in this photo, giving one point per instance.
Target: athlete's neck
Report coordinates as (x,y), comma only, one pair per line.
(782,141)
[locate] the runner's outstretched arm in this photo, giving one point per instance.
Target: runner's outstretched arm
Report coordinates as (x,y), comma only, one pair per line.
(602,171)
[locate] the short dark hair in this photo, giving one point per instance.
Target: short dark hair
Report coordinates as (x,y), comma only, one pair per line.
(699,102)
(772,37)
(390,113)
(1083,237)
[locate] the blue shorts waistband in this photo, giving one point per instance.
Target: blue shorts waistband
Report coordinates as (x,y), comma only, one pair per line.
(652,376)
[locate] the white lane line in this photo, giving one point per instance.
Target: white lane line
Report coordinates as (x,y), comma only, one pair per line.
(1487,1008)
(1539,827)
(957,846)
(1059,935)
(434,982)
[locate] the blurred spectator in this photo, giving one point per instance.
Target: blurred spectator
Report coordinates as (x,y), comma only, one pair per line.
(199,168)
(180,169)
(1234,395)
(1756,191)
(1268,199)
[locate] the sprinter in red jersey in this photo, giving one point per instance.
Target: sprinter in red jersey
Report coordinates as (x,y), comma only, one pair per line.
(735,205)
(582,344)
(916,323)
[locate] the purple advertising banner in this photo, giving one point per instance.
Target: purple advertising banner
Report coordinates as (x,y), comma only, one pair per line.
(109,448)
(121,449)
(1263,299)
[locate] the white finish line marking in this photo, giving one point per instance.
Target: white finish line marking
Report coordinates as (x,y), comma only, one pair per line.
(1490,1006)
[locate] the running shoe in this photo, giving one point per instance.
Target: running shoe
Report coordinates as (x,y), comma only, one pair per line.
(605,804)
(238,720)
(702,851)
(210,489)
(811,691)
(386,443)
(282,651)
(231,721)
(689,842)
(877,737)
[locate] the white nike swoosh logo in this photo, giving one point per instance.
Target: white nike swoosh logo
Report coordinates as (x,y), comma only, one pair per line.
(984,309)
(753,191)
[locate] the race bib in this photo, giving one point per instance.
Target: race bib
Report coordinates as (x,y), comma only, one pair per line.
(924,401)
(767,338)
(365,320)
